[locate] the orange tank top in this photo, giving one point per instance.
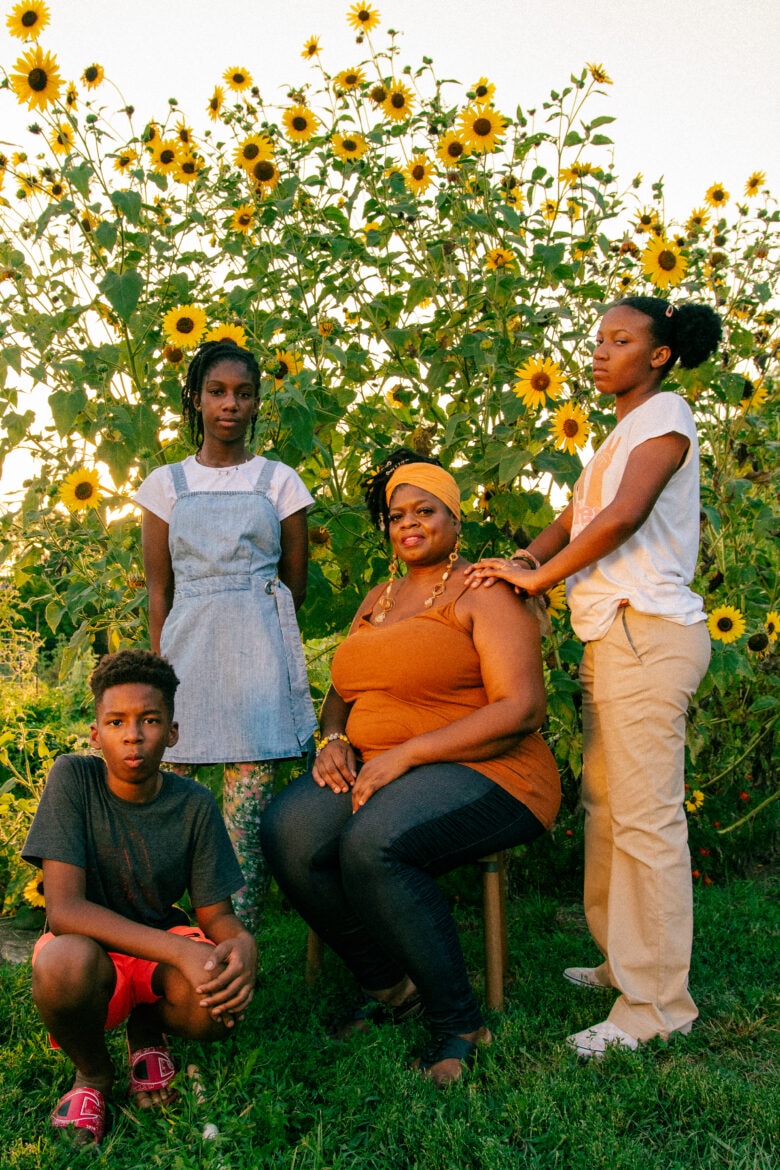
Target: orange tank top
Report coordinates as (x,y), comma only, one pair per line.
(422,673)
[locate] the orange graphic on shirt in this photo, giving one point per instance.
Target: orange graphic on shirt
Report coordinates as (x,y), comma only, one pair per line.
(588,490)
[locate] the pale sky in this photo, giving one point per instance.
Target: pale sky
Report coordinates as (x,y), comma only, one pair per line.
(696,88)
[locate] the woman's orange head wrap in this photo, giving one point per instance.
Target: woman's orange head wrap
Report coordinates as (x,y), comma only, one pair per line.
(431,479)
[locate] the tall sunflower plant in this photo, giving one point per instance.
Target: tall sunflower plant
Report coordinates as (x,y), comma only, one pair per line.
(413,261)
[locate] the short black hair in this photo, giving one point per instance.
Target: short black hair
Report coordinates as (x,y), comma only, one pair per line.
(375,483)
(691,330)
(134,666)
(206,356)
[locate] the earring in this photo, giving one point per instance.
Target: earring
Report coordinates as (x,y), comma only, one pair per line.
(386,602)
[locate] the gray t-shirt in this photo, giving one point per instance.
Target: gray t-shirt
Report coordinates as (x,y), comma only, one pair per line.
(138,858)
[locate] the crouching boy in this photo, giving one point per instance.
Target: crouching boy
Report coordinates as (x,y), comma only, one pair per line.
(119,843)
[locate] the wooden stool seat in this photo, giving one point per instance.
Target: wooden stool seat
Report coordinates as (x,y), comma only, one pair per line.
(494,926)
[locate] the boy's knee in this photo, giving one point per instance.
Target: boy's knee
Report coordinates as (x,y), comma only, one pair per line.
(71,968)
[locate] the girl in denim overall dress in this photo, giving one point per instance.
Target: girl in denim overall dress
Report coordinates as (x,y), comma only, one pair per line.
(225,555)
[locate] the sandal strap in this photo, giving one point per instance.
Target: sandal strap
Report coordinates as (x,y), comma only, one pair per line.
(151,1069)
(82,1108)
(448,1048)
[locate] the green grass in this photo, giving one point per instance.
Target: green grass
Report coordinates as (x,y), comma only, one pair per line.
(283,1095)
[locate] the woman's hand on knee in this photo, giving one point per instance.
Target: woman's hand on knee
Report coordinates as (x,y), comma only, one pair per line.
(378,772)
(335,766)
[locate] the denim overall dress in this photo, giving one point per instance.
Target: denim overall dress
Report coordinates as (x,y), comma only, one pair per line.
(232,635)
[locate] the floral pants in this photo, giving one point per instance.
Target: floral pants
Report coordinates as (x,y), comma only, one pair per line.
(246,791)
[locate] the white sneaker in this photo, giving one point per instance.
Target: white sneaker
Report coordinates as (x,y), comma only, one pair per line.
(593,1042)
(584,977)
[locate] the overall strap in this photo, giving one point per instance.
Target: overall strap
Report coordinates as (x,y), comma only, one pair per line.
(263,481)
(179,479)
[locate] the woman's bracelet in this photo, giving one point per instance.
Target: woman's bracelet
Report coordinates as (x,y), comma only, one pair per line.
(324,740)
(522,554)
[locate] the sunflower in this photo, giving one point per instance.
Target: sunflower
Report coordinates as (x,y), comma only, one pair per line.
(33,892)
(697,220)
(483,90)
(311,48)
(184,325)
(215,103)
(754,395)
(348,79)
(80,490)
(28,19)
(93,75)
(398,101)
(184,134)
(71,96)
(482,127)
(242,219)
(300,123)
(556,599)
(87,221)
(151,135)
(717,195)
(164,156)
(570,427)
(348,146)
(61,138)
(549,209)
(57,190)
(265,174)
(188,166)
(451,148)
(378,93)
(695,800)
(326,326)
(237,79)
(287,365)
(772,625)
(419,174)
(125,159)
(598,73)
(252,150)
(36,80)
(646,221)
(499,258)
(726,624)
(227,333)
(664,263)
(363,18)
(538,381)
(755,181)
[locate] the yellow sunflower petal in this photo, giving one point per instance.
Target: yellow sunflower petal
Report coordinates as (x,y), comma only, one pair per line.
(80,490)
(664,263)
(28,19)
(726,624)
(36,79)
(184,325)
(363,18)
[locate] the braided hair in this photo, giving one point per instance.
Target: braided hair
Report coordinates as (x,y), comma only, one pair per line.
(206,357)
(375,483)
(692,331)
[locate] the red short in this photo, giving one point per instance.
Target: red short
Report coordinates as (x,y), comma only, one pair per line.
(133,977)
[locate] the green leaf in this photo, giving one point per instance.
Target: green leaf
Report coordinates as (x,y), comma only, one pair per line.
(128,204)
(78,176)
(122,290)
(65,406)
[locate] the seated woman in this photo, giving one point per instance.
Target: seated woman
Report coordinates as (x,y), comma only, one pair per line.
(429,758)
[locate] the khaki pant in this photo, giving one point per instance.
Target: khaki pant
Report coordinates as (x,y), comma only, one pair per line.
(637,683)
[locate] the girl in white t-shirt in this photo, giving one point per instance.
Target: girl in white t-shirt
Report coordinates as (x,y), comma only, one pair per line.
(225,547)
(626,546)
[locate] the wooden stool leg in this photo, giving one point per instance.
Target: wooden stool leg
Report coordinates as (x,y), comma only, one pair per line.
(315,949)
(495,930)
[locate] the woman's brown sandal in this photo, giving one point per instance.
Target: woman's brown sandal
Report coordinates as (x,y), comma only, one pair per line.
(373,1011)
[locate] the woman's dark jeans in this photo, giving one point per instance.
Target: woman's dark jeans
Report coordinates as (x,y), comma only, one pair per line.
(366,882)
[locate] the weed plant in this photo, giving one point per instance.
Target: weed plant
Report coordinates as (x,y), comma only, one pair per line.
(284,1096)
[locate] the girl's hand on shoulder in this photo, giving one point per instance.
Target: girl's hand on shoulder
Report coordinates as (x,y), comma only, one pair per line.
(335,766)
(517,574)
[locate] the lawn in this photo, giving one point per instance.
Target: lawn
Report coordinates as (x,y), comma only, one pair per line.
(283,1095)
